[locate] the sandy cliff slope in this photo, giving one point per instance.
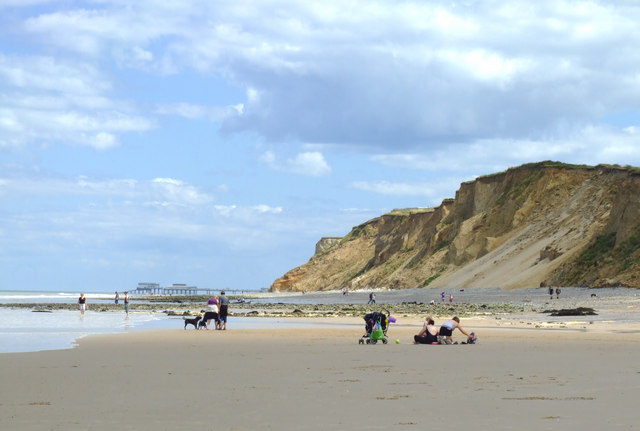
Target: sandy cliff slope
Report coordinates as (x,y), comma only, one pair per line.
(537,224)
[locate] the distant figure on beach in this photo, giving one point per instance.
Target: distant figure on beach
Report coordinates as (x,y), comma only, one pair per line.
(211,312)
(428,334)
(126,303)
(372,298)
(117,297)
(447,328)
(450,299)
(557,293)
(442,295)
(82,304)
(224,311)
(550,292)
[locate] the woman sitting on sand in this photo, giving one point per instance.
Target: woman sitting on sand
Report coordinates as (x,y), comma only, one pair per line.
(428,334)
(447,328)
(212,312)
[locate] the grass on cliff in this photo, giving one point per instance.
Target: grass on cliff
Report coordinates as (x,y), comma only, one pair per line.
(539,165)
(626,254)
(410,211)
(358,232)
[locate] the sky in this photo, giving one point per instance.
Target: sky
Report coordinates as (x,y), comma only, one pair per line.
(214,143)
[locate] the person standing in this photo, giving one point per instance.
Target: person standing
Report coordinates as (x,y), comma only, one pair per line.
(372,298)
(550,292)
(117,297)
(442,296)
(82,304)
(557,293)
(211,312)
(224,310)
(126,303)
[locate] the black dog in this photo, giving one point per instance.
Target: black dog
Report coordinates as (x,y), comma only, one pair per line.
(193,321)
(202,324)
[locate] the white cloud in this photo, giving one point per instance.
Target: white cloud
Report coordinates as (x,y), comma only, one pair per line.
(388,188)
(246,212)
(416,74)
(311,163)
(430,192)
(176,192)
(191,111)
(268,209)
(167,192)
(43,99)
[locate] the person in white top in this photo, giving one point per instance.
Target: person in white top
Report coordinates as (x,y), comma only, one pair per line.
(447,328)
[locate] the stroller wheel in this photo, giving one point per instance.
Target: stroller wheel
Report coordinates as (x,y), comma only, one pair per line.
(374,341)
(360,341)
(384,341)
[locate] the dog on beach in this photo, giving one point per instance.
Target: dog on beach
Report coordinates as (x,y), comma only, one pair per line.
(192,321)
(202,324)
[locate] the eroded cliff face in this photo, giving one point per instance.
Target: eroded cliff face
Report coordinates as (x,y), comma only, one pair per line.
(542,223)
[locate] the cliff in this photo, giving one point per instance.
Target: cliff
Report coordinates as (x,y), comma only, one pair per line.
(538,224)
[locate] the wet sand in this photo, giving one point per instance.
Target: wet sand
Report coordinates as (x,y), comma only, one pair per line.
(520,376)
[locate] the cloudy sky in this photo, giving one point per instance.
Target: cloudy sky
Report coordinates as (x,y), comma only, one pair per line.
(213,143)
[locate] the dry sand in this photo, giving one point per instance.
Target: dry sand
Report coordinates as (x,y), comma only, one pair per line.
(520,378)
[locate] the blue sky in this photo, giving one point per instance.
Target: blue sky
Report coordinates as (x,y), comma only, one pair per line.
(213,143)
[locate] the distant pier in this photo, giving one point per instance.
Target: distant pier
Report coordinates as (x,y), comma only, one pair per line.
(179,289)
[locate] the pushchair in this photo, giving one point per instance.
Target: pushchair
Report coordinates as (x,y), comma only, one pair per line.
(376,325)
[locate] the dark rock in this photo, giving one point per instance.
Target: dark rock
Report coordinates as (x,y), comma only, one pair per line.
(580,311)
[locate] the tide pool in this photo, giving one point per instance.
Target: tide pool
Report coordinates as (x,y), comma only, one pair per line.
(23,330)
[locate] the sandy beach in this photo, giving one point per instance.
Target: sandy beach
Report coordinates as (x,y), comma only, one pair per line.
(518,377)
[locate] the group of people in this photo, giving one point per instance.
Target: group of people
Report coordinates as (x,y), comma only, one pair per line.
(84,306)
(217,310)
(430,334)
(443,296)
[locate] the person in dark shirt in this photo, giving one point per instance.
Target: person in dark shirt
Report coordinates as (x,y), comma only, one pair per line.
(224,310)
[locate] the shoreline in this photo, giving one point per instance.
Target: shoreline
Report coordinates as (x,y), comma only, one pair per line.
(616,310)
(405,301)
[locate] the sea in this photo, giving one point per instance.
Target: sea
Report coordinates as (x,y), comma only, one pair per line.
(28,330)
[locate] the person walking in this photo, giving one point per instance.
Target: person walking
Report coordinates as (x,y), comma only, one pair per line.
(372,298)
(117,297)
